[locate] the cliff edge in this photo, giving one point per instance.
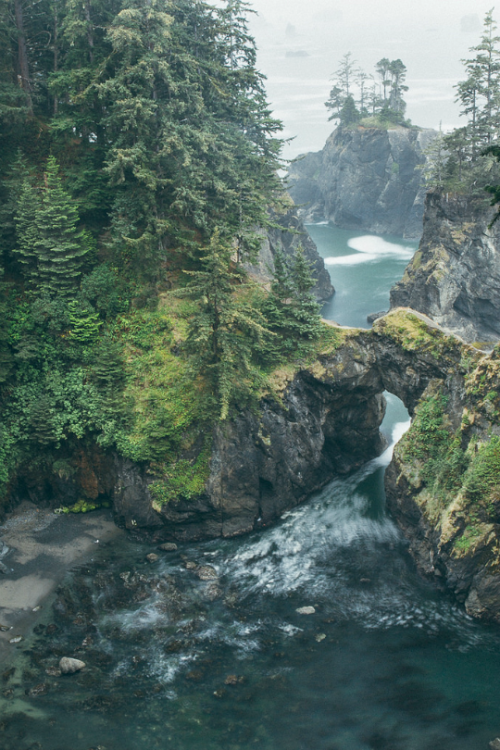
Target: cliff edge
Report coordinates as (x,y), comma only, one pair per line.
(364,178)
(454,276)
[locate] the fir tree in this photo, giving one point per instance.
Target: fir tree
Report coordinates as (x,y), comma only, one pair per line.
(225,332)
(50,245)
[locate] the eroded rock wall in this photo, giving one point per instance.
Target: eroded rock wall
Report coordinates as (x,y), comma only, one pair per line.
(366,179)
(455,275)
(286,235)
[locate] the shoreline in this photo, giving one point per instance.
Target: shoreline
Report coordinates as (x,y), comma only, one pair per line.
(43,546)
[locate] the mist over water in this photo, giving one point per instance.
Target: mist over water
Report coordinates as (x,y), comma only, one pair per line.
(300,45)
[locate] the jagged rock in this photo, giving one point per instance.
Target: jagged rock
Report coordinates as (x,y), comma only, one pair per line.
(375,316)
(68,665)
(454,276)
(53,671)
(40,689)
(206,573)
(168,547)
(364,178)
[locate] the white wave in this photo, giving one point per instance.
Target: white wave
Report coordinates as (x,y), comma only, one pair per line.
(398,431)
(372,245)
(351,260)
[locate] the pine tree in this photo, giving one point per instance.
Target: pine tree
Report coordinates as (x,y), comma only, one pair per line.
(306,310)
(6,360)
(226,332)
(290,309)
(50,245)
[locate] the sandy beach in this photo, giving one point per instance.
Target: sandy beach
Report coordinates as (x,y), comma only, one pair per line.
(42,546)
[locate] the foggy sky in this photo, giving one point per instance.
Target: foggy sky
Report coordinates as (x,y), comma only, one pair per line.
(430,37)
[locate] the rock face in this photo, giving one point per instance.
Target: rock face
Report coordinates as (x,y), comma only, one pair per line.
(323,421)
(455,275)
(365,179)
(287,234)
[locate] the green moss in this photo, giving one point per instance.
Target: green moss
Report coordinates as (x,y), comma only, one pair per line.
(417,260)
(483,476)
(414,334)
(183,478)
(83,506)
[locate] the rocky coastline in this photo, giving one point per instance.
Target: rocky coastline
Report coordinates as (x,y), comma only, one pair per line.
(454,276)
(325,423)
(365,179)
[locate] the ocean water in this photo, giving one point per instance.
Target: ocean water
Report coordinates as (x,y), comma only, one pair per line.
(227,661)
(363,268)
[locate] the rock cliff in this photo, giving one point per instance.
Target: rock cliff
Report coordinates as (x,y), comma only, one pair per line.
(366,179)
(288,232)
(321,421)
(455,275)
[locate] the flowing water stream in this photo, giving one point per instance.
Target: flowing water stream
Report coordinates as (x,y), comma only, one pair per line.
(205,649)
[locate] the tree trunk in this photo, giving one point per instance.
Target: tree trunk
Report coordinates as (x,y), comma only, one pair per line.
(22,51)
(90,37)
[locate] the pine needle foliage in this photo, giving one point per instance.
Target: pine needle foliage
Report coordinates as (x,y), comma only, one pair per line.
(226,331)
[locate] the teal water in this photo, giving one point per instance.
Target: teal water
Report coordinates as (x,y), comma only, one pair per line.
(363,268)
(386,662)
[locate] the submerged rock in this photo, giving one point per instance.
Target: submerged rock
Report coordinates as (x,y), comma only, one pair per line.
(69,665)
(206,573)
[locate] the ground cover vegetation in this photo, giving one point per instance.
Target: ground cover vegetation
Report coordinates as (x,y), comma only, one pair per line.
(138,164)
(358,98)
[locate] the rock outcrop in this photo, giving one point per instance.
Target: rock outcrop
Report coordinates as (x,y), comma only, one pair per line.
(366,179)
(322,421)
(455,275)
(286,235)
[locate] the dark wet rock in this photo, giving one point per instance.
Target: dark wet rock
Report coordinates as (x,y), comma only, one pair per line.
(51,629)
(213,592)
(234,679)
(8,674)
(364,178)
(152,557)
(454,277)
(375,316)
(41,689)
(53,671)
(69,665)
(168,547)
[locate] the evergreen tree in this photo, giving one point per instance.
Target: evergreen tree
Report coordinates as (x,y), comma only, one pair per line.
(305,309)
(6,360)
(479,93)
(290,309)
(436,159)
(225,333)
(351,87)
(50,244)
